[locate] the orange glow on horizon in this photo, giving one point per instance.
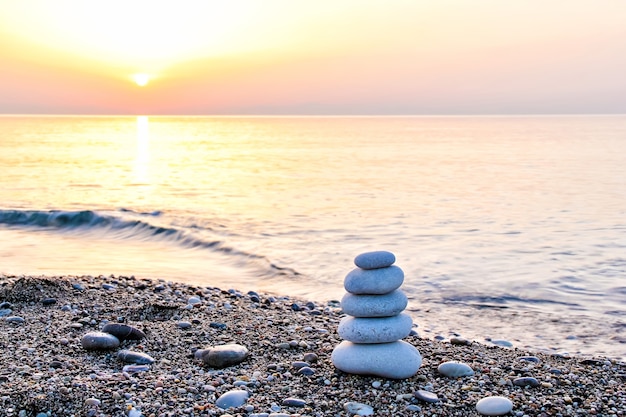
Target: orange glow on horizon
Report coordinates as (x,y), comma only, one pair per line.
(280,56)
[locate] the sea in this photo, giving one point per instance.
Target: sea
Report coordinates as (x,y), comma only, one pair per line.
(509,229)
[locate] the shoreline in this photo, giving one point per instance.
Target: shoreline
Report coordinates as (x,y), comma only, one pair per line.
(46,370)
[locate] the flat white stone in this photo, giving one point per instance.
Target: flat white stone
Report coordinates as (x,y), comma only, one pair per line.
(385,305)
(494,406)
(374,281)
(376,259)
(455,369)
(375,329)
(235,398)
(359,409)
(139,358)
(395,360)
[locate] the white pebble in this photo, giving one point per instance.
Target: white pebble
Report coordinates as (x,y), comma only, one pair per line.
(454,369)
(234,398)
(194,301)
(92,402)
(494,406)
(357,408)
(134,413)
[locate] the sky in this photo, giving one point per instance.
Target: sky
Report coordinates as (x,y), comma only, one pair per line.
(328,57)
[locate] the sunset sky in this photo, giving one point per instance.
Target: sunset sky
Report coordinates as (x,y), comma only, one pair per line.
(312,57)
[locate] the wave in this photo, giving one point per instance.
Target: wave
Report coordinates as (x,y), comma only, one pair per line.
(125,225)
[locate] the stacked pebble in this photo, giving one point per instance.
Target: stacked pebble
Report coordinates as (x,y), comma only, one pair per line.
(375,321)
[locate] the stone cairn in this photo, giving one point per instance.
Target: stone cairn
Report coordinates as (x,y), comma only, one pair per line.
(375,321)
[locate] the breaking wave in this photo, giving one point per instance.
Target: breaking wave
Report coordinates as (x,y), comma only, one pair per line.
(126,225)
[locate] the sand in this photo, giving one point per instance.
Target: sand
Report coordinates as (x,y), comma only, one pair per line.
(44,370)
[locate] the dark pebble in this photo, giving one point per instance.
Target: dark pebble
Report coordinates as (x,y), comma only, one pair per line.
(124,331)
(526,381)
(56,364)
(296,307)
(310,357)
(299,364)
(593,362)
(159,287)
(109,287)
(5,312)
(99,340)
(78,286)
(294,402)
(426,396)
(5,304)
(48,301)
(224,355)
(305,370)
(138,358)
(216,325)
(459,341)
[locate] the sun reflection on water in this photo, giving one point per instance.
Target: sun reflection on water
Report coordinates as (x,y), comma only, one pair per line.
(142,161)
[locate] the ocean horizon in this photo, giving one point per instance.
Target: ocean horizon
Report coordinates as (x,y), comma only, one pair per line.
(508,228)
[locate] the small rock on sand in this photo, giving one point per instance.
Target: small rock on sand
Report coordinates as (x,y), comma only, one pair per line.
(99,341)
(234,398)
(494,406)
(359,409)
(224,355)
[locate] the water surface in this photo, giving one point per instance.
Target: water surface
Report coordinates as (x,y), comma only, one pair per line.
(506,227)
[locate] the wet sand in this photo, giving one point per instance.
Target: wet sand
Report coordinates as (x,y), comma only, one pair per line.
(45,369)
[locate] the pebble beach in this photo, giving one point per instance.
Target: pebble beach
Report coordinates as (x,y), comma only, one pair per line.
(45,369)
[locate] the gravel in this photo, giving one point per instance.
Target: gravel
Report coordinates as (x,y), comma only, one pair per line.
(45,370)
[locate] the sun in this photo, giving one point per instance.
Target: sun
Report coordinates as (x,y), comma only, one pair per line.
(141,79)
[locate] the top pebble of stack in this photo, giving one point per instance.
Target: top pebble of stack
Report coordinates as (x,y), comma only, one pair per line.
(375,260)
